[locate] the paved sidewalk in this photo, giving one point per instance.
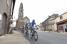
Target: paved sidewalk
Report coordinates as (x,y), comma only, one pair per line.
(58,33)
(15,38)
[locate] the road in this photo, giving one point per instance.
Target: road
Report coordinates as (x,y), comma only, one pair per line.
(51,38)
(44,38)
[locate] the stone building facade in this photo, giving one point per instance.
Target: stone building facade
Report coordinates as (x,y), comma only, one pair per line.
(48,24)
(61,23)
(6,10)
(19,22)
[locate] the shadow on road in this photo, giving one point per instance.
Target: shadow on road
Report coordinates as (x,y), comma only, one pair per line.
(29,39)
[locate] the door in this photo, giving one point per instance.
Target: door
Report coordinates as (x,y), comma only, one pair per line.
(4,23)
(60,28)
(1,24)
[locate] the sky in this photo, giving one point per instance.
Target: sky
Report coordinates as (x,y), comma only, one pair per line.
(40,9)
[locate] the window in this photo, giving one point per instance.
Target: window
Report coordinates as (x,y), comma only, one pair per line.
(66,26)
(0,17)
(61,17)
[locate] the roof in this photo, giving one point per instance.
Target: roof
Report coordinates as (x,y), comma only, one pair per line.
(62,22)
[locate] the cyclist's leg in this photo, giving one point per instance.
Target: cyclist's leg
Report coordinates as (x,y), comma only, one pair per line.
(32,32)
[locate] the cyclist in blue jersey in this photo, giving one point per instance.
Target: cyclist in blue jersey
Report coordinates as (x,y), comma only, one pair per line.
(33,24)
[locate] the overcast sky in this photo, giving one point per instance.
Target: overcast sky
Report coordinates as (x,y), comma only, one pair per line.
(40,9)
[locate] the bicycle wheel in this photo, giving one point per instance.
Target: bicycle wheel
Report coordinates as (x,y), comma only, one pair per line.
(35,36)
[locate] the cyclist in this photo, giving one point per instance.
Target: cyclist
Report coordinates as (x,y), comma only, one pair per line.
(33,24)
(26,28)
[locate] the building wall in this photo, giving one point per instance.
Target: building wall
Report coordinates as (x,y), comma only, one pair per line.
(49,23)
(5,13)
(64,16)
(58,19)
(19,23)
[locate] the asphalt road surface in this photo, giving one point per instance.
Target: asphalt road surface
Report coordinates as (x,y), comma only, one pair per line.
(43,38)
(50,38)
